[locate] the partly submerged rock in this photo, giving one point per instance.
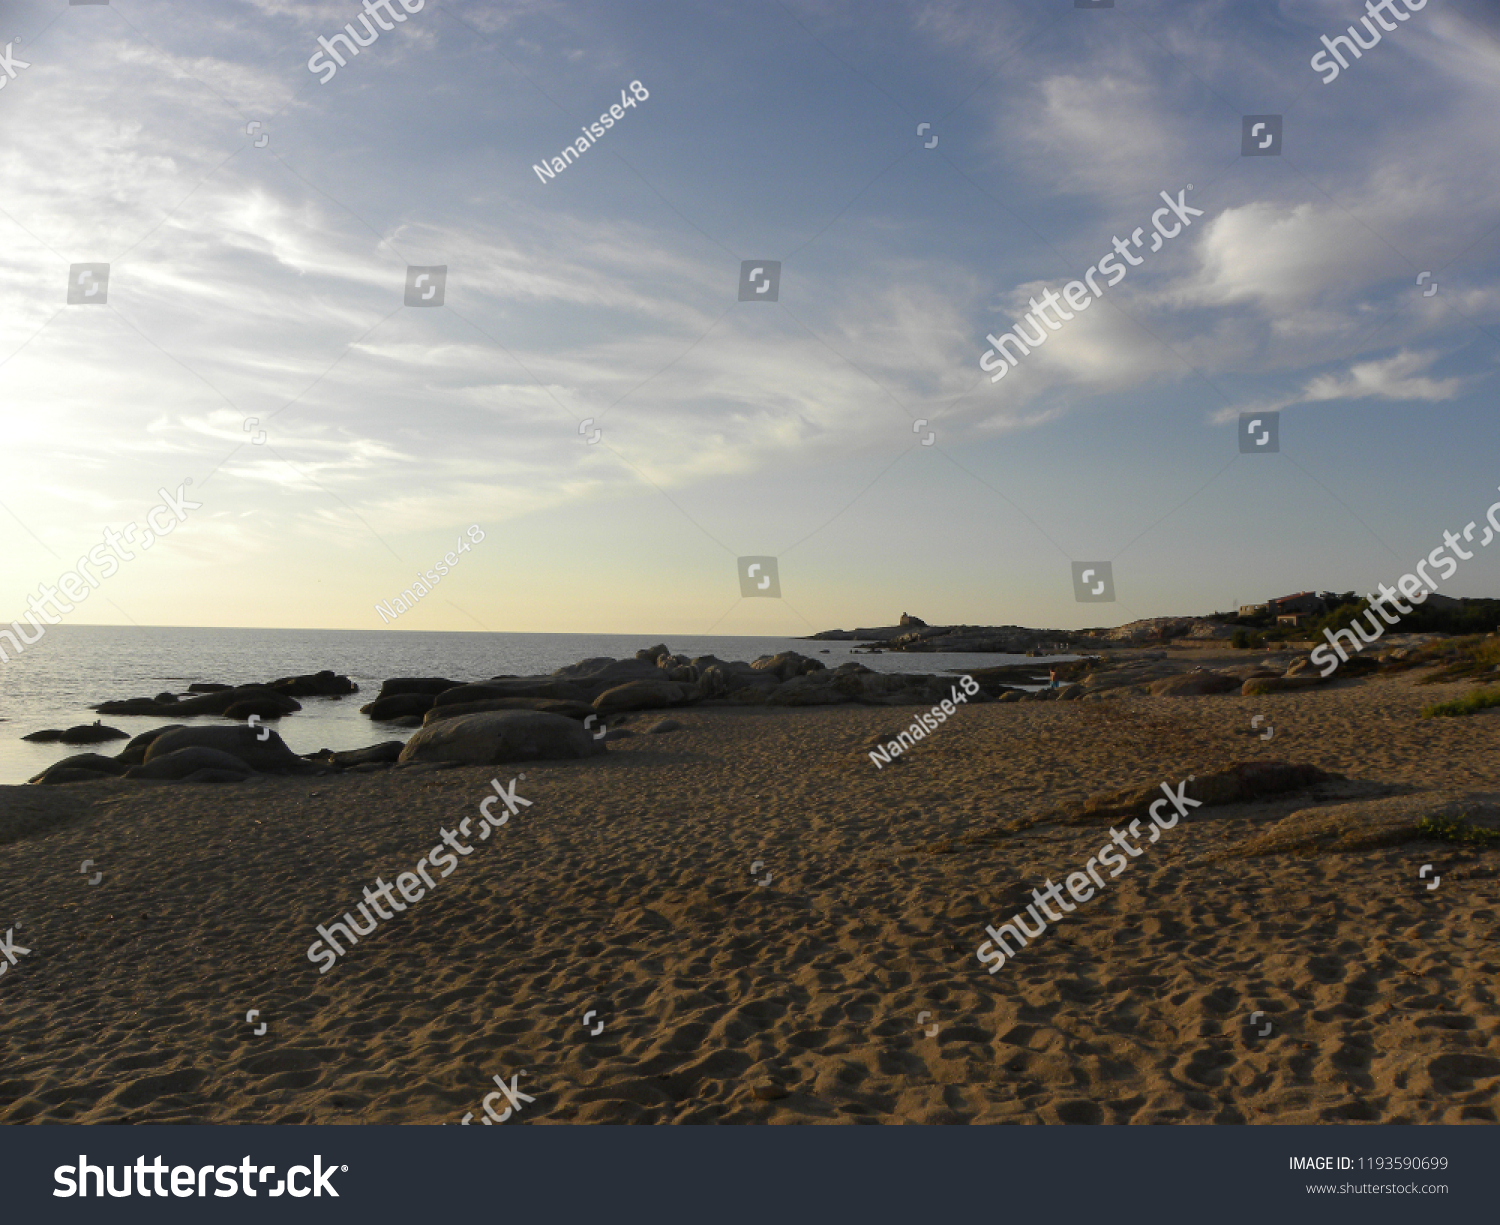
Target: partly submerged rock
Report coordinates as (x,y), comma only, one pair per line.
(268,756)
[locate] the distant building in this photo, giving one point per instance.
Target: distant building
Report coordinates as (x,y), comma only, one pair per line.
(1291,618)
(1301,602)
(1253,610)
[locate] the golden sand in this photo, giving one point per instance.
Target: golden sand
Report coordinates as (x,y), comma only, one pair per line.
(627,889)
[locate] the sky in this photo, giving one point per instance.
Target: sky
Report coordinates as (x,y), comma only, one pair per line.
(920,171)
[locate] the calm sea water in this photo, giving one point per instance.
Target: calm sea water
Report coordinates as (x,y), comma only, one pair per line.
(53,683)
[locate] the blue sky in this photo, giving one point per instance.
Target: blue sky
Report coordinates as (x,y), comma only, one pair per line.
(267,282)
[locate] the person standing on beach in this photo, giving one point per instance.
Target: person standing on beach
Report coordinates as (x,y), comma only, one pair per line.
(1052,678)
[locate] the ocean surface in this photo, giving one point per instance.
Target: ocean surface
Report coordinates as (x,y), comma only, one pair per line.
(54,683)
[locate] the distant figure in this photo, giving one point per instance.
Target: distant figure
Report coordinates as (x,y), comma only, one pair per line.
(1052,677)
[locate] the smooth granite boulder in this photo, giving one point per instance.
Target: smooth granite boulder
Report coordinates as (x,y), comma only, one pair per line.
(265,708)
(387,753)
(268,756)
(430,685)
(513,687)
(398,705)
(551,706)
(134,753)
(494,737)
(91,764)
(641,695)
(324,684)
(185,763)
(49,735)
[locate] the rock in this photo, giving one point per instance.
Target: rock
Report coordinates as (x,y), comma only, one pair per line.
(652,654)
(1303,667)
(1367,824)
(662,726)
(50,736)
(386,753)
(514,687)
(551,706)
(185,762)
(266,708)
(822,690)
(1194,684)
(269,756)
(1278,684)
(787,665)
(429,685)
(92,733)
(56,776)
(325,684)
(215,703)
(596,675)
(165,697)
(405,721)
(90,763)
(208,687)
(397,705)
(134,753)
(1069,693)
(640,695)
(495,737)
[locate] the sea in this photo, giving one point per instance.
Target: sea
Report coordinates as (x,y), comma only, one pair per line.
(55,682)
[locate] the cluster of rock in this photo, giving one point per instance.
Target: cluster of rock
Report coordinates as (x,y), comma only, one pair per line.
(176,753)
(913,634)
(654,679)
(1155,675)
(269,701)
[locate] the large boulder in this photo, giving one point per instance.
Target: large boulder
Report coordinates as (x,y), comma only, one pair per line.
(71,769)
(641,695)
(263,707)
(49,735)
(430,685)
(398,705)
(495,737)
(596,675)
(386,753)
(134,753)
(215,703)
(513,687)
(268,756)
(551,706)
(809,691)
(188,762)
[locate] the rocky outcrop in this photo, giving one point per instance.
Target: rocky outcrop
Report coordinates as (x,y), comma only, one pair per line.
(216,703)
(551,706)
(323,684)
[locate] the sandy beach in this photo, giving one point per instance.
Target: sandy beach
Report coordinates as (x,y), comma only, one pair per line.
(626,890)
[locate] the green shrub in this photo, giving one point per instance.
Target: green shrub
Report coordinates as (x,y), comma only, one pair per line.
(1460,832)
(1468,705)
